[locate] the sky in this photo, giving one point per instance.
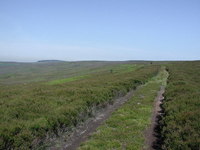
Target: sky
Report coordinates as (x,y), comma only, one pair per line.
(71,30)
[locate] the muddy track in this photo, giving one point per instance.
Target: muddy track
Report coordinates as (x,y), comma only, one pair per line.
(80,134)
(152,136)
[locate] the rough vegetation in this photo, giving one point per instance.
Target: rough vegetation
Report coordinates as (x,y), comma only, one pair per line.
(29,111)
(181,121)
(46,98)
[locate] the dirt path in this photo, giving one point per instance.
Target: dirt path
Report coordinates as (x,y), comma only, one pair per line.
(82,132)
(151,134)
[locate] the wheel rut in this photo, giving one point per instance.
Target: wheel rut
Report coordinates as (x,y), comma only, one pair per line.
(152,135)
(81,133)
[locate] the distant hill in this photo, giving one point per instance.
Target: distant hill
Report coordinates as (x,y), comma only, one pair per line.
(51,61)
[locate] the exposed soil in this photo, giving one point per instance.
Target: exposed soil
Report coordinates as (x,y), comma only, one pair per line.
(152,136)
(80,134)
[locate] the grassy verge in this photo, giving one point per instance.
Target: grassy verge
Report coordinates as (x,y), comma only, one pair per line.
(123,68)
(125,128)
(181,122)
(67,80)
(29,111)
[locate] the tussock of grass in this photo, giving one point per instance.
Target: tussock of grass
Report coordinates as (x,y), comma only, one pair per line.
(125,128)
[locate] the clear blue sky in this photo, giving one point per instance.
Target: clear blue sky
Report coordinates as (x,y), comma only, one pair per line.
(31,30)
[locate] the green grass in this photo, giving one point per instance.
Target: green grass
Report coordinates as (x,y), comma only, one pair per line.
(116,69)
(124,68)
(29,111)
(125,128)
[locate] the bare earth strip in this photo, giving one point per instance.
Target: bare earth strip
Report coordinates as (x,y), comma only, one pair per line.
(150,134)
(82,132)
